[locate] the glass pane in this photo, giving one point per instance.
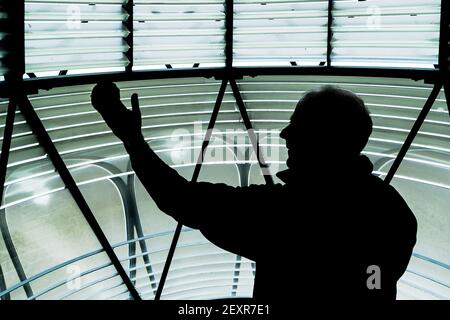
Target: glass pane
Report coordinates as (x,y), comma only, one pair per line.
(175,114)
(394,105)
(280,32)
(423,180)
(386,33)
(201,270)
(48,250)
(179,34)
(75,36)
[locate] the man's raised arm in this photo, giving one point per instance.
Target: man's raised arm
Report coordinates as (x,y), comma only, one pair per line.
(159,179)
(210,207)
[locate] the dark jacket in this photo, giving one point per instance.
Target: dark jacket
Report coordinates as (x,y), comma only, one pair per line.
(315,236)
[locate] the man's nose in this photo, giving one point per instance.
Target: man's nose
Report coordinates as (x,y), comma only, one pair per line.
(284,133)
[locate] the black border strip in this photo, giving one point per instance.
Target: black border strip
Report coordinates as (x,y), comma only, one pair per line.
(46,83)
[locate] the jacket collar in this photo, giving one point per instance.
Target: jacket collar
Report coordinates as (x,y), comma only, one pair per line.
(360,166)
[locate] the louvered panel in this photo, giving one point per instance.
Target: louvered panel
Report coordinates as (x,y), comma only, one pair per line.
(73,35)
(278,32)
(179,33)
(386,33)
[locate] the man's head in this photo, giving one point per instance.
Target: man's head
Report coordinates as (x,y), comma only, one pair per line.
(328,123)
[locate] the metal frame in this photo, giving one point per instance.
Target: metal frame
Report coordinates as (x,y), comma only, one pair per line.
(444,49)
(12,252)
(444,37)
(128,7)
(137,227)
(254,141)
(329,32)
(3,285)
(414,130)
(251,132)
(229,19)
(16,90)
(195,175)
(7,137)
(32,85)
(133,224)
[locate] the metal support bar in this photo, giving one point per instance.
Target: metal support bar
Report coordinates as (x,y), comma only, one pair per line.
(131,198)
(431,75)
(444,49)
(414,130)
(46,83)
(12,252)
(329,32)
(46,142)
(128,7)
(7,137)
(14,39)
(145,251)
(444,37)
(244,173)
(251,132)
(3,285)
(129,220)
(447,95)
(198,166)
(229,19)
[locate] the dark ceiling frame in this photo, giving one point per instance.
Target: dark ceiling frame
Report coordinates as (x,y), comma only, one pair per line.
(16,88)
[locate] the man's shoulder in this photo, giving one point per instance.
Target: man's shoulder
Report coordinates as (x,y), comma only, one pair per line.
(391,201)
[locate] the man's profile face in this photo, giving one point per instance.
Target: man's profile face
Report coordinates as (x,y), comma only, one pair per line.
(285,134)
(295,139)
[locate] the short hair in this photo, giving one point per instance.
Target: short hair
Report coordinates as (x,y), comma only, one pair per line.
(336,114)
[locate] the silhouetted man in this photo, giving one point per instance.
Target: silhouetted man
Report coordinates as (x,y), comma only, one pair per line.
(333,231)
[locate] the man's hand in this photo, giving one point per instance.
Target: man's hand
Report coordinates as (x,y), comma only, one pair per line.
(125,124)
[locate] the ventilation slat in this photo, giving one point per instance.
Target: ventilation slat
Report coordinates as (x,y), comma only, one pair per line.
(278,32)
(179,33)
(73,35)
(386,33)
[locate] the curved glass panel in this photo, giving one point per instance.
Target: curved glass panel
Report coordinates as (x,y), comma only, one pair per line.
(422,178)
(48,250)
(175,116)
(201,270)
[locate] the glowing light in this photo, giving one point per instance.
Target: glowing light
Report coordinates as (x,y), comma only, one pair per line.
(42,200)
